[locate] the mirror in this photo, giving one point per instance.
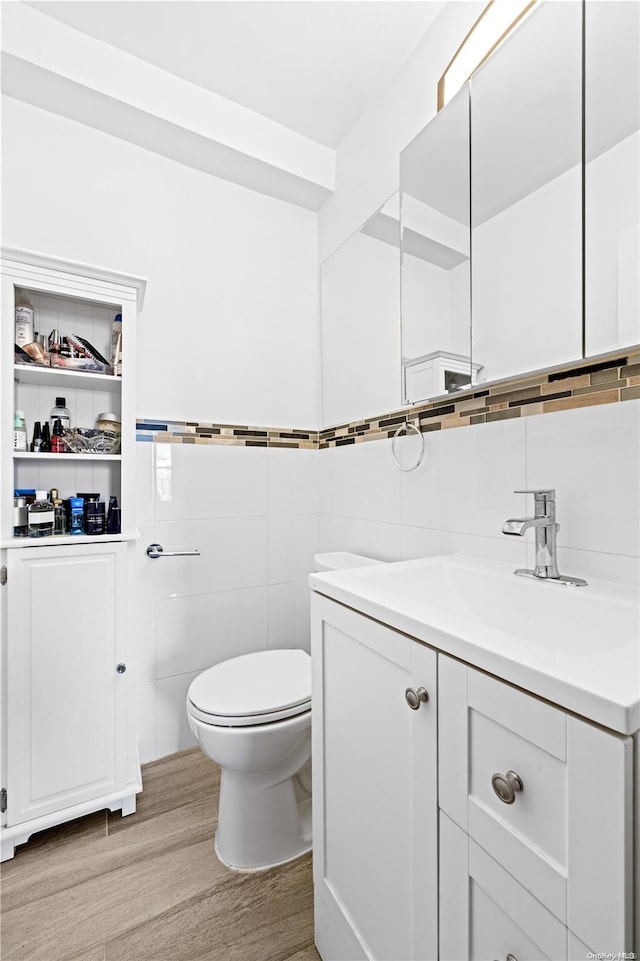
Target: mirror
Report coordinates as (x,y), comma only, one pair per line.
(435,266)
(612,183)
(360,291)
(526,197)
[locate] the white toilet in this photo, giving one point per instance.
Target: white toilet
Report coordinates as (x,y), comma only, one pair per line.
(252,716)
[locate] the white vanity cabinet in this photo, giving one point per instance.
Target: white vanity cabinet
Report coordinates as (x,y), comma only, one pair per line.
(374,783)
(529,824)
(67,738)
(555,832)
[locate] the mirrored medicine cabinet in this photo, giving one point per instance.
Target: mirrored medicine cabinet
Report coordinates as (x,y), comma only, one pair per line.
(496,204)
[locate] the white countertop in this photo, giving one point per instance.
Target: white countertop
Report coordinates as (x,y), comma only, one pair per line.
(576,647)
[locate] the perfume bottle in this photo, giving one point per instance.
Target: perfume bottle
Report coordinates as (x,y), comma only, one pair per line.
(41,516)
(59,517)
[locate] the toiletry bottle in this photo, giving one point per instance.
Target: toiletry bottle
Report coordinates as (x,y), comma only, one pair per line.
(76,525)
(59,517)
(36,443)
(20,517)
(41,516)
(45,443)
(60,412)
(113,516)
(94,517)
(19,431)
(116,345)
(57,442)
(24,320)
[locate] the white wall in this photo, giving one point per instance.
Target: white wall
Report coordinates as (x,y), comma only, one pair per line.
(367,161)
(229,333)
(459,498)
(367,173)
(435,308)
(360,330)
(232,298)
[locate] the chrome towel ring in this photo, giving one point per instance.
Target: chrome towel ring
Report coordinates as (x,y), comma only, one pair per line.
(408,425)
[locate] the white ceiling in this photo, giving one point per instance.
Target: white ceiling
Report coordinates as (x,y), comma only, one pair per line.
(311,65)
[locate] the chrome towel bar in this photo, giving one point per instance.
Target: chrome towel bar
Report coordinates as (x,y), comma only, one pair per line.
(156,550)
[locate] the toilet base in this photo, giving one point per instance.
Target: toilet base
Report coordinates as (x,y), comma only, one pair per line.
(258,830)
(305,816)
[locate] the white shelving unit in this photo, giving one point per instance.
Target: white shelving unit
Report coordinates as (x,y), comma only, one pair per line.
(75,299)
(68,742)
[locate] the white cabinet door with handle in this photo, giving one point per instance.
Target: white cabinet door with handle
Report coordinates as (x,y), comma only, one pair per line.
(374,783)
(67,729)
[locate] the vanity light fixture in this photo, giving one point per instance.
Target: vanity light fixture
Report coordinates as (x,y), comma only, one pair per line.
(496,22)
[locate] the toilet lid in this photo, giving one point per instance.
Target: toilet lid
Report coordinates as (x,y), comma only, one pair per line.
(254,688)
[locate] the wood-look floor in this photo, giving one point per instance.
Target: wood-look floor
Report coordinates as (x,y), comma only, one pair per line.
(149,887)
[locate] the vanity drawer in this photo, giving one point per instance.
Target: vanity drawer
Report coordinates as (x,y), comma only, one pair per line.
(485,913)
(547,795)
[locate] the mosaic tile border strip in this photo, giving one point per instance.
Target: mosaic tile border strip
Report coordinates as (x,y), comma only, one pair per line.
(608,381)
(617,378)
(230,435)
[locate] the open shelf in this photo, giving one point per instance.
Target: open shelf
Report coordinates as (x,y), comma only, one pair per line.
(59,377)
(103,458)
(77,539)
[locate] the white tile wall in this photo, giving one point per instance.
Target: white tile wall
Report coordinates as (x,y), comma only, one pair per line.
(591,458)
(253,514)
(458,499)
(258,516)
(289,616)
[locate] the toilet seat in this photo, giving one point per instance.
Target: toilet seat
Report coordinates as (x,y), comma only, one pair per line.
(256,688)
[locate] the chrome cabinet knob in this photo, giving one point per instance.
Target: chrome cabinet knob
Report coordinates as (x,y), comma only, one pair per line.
(509,957)
(121,668)
(415,698)
(506,786)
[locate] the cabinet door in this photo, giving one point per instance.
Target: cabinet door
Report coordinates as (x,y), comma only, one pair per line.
(66,706)
(484,912)
(565,835)
(374,778)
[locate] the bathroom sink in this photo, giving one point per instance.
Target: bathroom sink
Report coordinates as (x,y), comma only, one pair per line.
(579,647)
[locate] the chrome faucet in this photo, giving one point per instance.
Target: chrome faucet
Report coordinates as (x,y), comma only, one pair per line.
(544,524)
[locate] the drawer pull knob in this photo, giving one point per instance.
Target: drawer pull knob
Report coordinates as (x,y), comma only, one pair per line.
(506,786)
(415,698)
(509,957)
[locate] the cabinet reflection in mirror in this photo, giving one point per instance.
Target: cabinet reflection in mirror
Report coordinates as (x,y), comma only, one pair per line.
(612,184)
(435,266)
(360,292)
(526,196)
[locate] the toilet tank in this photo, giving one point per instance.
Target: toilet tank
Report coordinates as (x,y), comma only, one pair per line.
(341,561)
